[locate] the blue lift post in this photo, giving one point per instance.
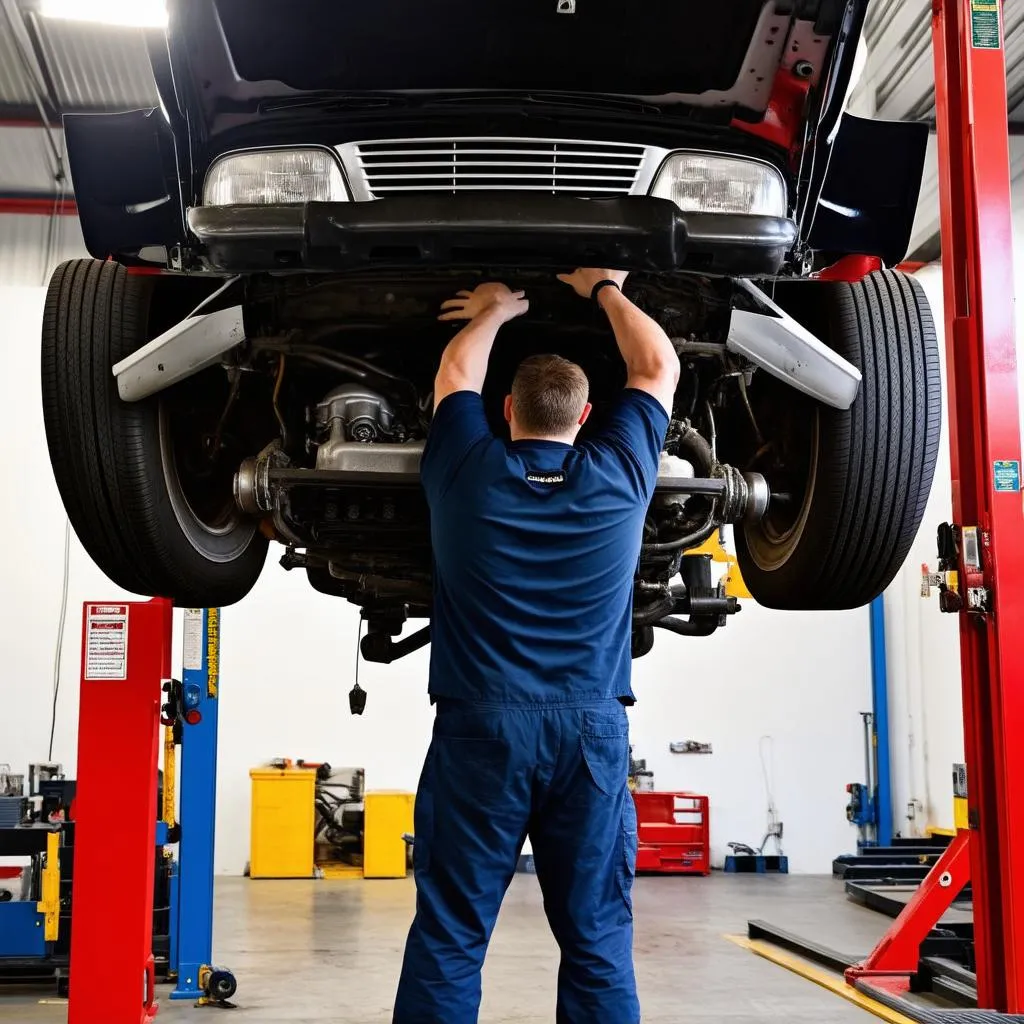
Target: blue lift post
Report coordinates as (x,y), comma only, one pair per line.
(192,887)
(880,709)
(870,804)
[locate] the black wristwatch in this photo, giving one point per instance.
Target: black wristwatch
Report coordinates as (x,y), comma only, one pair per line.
(606,283)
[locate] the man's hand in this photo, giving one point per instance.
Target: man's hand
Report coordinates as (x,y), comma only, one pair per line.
(582,281)
(464,362)
(499,298)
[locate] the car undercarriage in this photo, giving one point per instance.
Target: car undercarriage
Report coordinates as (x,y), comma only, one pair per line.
(314,426)
(354,363)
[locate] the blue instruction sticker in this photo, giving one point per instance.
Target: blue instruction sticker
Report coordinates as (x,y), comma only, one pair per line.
(1007,475)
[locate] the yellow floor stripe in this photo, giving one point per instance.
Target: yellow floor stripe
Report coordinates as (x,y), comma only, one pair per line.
(833,982)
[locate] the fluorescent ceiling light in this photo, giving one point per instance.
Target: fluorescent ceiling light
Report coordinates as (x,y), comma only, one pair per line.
(133,13)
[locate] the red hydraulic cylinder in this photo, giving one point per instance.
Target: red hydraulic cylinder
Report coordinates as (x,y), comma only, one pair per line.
(977,263)
(126,655)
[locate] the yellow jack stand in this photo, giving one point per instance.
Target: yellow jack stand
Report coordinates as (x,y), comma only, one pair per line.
(734,585)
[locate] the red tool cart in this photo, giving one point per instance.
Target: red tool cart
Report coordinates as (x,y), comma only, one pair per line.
(674,833)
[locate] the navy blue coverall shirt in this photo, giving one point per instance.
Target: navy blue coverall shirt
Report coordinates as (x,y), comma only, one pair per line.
(535,546)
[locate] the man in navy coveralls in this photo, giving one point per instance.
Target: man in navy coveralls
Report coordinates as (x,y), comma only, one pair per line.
(536,542)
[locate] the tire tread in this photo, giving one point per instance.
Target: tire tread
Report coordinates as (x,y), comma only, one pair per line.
(876,460)
(105,452)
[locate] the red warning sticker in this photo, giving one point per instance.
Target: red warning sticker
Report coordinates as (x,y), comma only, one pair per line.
(106,641)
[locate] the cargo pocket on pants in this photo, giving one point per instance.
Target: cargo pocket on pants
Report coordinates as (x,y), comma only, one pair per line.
(604,741)
(630,843)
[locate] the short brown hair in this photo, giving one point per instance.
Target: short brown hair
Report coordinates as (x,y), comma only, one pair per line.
(549,395)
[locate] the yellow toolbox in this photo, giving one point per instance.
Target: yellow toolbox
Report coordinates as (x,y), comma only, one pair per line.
(388,815)
(283,808)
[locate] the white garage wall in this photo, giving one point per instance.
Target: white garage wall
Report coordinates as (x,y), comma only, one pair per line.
(288,661)
(800,679)
(924,646)
(31,245)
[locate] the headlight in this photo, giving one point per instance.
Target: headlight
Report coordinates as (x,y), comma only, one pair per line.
(708,183)
(275,176)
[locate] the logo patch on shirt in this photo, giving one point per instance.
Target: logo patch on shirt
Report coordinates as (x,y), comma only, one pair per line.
(551,478)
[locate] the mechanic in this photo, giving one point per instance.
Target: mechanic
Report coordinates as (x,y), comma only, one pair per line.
(536,543)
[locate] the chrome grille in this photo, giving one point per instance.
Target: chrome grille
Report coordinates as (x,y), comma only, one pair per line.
(457,165)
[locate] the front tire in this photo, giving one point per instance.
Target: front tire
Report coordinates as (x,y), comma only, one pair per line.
(155,516)
(857,481)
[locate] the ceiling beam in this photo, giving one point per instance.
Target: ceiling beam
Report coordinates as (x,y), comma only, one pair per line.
(42,206)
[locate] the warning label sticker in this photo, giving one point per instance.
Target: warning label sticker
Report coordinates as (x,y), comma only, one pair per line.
(1006,473)
(985,24)
(193,659)
(212,651)
(106,641)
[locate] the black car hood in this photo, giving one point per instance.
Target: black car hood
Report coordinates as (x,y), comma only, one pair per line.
(234,57)
(657,47)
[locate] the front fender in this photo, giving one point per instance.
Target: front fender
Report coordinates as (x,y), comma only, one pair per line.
(126,183)
(869,198)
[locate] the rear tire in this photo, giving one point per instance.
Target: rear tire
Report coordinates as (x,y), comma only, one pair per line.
(866,472)
(127,488)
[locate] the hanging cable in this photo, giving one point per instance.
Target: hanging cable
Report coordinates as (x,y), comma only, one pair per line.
(60,635)
(45,100)
(53,228)
(774,827)
(36,92)
(758,436)
(277,394)
(712,433)
(357,695)
(766,774)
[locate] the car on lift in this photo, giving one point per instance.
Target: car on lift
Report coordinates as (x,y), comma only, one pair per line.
(249,355)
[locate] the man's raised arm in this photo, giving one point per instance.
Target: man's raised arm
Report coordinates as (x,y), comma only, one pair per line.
(651,362)
(464,362)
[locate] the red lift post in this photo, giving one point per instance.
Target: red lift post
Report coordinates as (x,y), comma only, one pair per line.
(126,656)
(977,264)
(974,163)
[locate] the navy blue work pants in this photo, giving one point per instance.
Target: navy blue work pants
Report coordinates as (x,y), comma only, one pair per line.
(495,774)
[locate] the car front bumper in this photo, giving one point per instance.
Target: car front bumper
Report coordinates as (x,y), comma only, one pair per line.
(491,230)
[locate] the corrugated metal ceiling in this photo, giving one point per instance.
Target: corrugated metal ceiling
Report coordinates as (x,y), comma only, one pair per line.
(96,67)
(92,67)
(68,66)
(898,83)
(28,160)
(15,90)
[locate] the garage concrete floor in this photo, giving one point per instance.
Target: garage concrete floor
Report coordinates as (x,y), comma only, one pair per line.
(330,952)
